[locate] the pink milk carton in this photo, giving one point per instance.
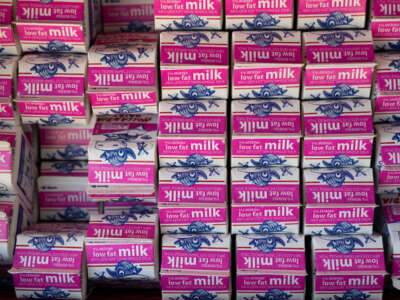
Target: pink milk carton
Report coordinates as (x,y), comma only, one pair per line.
(192,150)
(192,185)
(256,15)
(387,199)
(331,14)
(266,46)
(202,117)
(388,179)
(50,264)
(386,33)
(131,101)
(8,115)
(387,72)
(386,106)
(270,265)
(266,117)
(133,205)
(123,65)
(388,144)
(338,81)
(348,267)
(6,12)
(9,42)
(8,80)
(392,239)
(188,15)
(194,47)
(192,82)
(193,218)
(127,15)
(345,46)
(262,81)
(339,201)
(65,142)
(58,75)
(384,8)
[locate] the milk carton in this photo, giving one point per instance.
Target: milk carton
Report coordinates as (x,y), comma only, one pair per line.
(388,144)
(348,267)
(385,32)
(200,117)
(337,81)
(339,201)
(262,81)
(6,11)
(331,14)
(132,205)
(270,265)
(265,117)
(386,106)
(387,72)
(50,264)
(195,47)
(192,82)
(256,15)
(130,101)
(58,75)
(128,15)
(392,249)
(188,15)
(123,65)
(345,46)
(388,179)
(8,72)
(9,41)
(384,8)
(192,150)
(266,46)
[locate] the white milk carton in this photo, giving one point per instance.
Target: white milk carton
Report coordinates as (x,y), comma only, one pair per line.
(385,32)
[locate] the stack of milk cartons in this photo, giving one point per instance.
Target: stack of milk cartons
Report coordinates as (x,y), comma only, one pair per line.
(266,132)
(9,42)
(270,266)
(348,267)
(192,132)
(196,266)
(123,248)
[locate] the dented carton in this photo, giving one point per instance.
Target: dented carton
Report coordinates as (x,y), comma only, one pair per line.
(188,15)
(331,14)
(202,117)
(386,33)
(192,82)
(266,46)
(194,47)
(9,41)
(387,72)
(345,46)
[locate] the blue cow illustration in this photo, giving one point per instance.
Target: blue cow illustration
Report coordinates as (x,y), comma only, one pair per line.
(195,160)
(333,110)
(191,21)
(267,244)
(197,227)
(342,228)
(268,160)
(48,70)
(198,91)
(199,294)
(335,39)
(335,178)
(345,245)
(193,243)
(46,243)
(274,294)
(269,90)
(263,177)
(340,161)
(269,227)
(189,109)
(191,40)
(56,46)
(72,151)
(264,39)
(263,109)
(262,20)
(118,220)
(118,60)
(66,167)
(340,91)
(115,152)
(190,177)
(128,108)
(124,269)
(335,19)
(73,213)
(56,119)
(52,292)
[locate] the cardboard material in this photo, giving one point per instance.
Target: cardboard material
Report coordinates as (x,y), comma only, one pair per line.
(386,33)
(386,106)
(387,70)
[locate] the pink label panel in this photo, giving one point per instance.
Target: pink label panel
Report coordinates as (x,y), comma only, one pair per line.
(333,147)
(396,266)
(314,125)
(6,110)
(195,125)
(201,55)
(127,76)
(271,54)
(65,198)
(283,146)
(8,137)
(270,124)
(183,7)
(389,177)
(388,81)
(341,54)
(53,11)
(124,174)
(56,86)
(184,78)
(144,230)
(186,147)
(334,76)
(333,215)
(6,159)
(38,280)
(392,213)
(254,7)
(111,254)
(384,8)
(107,99)
(177,193)
(4,230)
(57,137)
(66,108)
(345,194)
(311,7)
(260,214)
(271,193)
(178,282)
(262,76)
(390,155)
(387,29)
(5,87)
(6,35)
(275,260)
(266,282)
(199,260)
(6,13)
(55,259)
(386,104)
(179,215)
(47,33)
(118,13)
(355,261)
(333,283)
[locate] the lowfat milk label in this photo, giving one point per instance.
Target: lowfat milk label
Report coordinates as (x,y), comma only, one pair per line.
(339,46)
(6,11)
(267,46)
(387,72)
(386,107)
(188,15)
(388,180)
(385,8)
(385,33)
(8,74)
(201,252)
(266,116)
(259,15)
(8,42)
(193,117)
(192,185)
(193,219)
(275,185)
(388,144)
(194,47)
(264,81)
(338,81)
(331,14)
